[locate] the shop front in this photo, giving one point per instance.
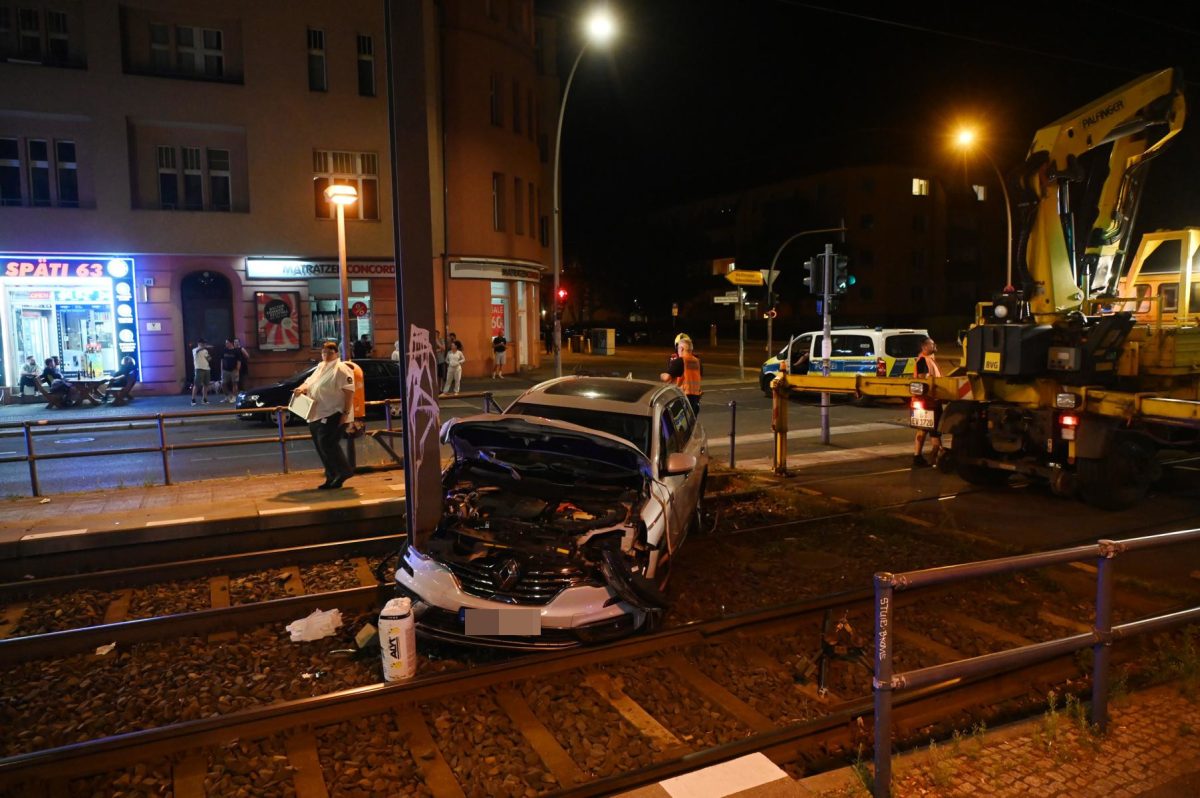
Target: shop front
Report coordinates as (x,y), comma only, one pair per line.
(81,310)
(510,290)
(298,303)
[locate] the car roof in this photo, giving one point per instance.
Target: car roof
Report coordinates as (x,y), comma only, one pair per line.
(869,331)
(605,394)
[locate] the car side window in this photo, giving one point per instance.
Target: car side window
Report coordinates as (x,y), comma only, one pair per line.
(683,421)
(666,438)
(852,346)
(369,370)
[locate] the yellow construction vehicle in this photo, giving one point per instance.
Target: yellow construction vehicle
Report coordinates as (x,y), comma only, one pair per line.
(1063,378)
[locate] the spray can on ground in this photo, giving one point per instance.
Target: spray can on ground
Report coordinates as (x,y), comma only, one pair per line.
(398,640)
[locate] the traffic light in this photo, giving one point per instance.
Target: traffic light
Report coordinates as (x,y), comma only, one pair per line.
(562,295)
(815,279)
(842,279)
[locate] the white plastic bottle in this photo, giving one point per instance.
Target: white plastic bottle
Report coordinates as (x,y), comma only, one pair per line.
(398,640)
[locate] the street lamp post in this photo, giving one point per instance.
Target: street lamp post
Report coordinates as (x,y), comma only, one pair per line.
(600,28)
(966,140)
(341,196)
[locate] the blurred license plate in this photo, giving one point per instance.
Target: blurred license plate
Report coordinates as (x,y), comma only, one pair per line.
(522,621)
(922,418)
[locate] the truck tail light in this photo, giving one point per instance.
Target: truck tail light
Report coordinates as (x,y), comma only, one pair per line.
(1068,423)
(918,403)
(880,367)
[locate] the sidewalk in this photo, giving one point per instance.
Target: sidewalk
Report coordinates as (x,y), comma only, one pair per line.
(1152,749)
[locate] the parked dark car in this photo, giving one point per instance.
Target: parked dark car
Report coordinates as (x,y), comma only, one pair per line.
(381,380)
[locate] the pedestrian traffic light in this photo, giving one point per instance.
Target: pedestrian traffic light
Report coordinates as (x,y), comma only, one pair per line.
(815,281)
(842,279)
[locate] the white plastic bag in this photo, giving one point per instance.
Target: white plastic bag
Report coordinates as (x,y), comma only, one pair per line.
(320,623)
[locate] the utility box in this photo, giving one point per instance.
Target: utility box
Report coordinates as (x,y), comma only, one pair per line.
(604,341)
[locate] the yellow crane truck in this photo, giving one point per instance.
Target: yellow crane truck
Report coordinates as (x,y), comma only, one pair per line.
(1088,367)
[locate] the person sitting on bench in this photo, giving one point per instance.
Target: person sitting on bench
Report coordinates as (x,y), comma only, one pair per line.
(123,380)
(59,393)
(29,375)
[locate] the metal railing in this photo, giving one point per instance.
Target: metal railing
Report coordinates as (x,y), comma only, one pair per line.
(30,430)
(1101,637)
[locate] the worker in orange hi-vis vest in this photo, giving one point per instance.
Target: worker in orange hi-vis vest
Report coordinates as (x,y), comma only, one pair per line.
(927,366)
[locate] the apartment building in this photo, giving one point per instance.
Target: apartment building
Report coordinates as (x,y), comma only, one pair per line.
(163,166)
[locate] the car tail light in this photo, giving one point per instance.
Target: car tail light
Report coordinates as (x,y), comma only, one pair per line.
(880,367)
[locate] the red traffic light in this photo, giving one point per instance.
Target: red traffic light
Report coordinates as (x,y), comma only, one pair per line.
(562,294)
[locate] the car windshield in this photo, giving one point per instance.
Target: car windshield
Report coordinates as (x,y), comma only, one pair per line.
(635,429)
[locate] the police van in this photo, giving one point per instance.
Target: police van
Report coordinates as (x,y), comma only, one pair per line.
(854,350)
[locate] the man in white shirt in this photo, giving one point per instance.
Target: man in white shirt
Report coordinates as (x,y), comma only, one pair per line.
(331,389)
(203,370)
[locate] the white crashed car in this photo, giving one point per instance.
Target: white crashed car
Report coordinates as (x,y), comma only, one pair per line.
(560,532)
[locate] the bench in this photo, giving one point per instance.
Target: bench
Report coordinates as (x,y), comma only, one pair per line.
(120,394)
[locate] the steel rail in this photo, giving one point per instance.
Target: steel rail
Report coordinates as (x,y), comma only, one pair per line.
(206,566)
(14,650)
(111,753)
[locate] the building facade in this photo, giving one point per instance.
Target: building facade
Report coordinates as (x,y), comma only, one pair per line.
(190,143)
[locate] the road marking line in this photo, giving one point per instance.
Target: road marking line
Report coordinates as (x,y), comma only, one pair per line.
(191,520)
(380,501)
(279,510)
(912,519)
(59,534)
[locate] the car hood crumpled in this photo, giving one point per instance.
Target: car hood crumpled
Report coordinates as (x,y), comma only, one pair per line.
(476,437)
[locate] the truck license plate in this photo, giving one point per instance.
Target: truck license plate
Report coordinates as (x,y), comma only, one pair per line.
(922,418)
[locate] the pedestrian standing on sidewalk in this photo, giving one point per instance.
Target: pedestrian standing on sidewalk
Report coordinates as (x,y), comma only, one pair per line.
(243,363)
(439,356)
(331,388)
(499,348)
(362,347)
(231,362)
(927,366)
(202,369)
(685,371)
(454,360)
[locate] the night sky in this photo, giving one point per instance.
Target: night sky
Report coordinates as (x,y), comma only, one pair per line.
(697,97)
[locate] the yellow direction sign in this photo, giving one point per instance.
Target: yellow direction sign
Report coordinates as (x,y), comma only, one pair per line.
(745,277)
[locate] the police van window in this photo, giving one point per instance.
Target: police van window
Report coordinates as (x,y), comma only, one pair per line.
(908,345)
(852,346)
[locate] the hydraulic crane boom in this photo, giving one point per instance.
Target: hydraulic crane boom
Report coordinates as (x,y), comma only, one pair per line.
(1137,119)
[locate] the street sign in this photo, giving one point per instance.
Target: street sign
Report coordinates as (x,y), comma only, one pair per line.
(769,275)
(745,277)
(725,300)
(735,293)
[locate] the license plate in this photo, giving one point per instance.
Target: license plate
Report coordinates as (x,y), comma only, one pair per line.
(991,361)
(523,621)
(923,418)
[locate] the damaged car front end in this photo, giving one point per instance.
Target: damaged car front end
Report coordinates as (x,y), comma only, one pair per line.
(551,535)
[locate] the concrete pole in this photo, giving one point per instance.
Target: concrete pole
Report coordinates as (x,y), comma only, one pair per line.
(343,282)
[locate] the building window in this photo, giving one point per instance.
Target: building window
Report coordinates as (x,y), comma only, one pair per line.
(518,206)
(27,173)
(497,202)
(539,52)
(543,148)
(197,167)
(920,188)
(199,51)
(342,168)
(168,179)
(544,230)
(980,193)
(529,114)
(39,172)
(317,80)
(57,39)
(160,47)
(516,97)
(496,100)
(219,185)
(29,34)
(532,210)
(366,66)
(68,174)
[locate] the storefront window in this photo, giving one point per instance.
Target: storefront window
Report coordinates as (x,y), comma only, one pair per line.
(499,308)
(326,316)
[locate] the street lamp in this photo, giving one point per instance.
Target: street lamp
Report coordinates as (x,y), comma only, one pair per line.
(966,141)
(600,28)
(341,196)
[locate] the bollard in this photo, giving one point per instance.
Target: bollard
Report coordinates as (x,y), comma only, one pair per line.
(281,419)
(884,591)
(33,475)
(732,433)
(779,422)
(162,447)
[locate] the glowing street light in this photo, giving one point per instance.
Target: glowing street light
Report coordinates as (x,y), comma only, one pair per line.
(600,28)
(965,140)
(341,196)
